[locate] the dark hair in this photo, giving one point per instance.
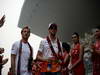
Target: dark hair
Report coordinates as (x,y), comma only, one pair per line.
(66,46)
(98,27)
(75,33)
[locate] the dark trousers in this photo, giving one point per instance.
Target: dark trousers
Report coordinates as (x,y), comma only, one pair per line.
(50,73)
(0,69)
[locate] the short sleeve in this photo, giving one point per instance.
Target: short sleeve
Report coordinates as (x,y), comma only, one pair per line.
(41,46)
(14,49)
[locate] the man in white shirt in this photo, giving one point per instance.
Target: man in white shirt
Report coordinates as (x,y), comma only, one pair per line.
(49,51)
(20,54)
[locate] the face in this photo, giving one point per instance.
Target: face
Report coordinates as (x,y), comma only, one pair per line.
(52,31)
(25,33)
(75,38)
(97,33)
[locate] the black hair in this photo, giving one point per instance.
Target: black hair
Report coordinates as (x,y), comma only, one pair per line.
(98,27)
(66,46)
(75,33)
(53,25)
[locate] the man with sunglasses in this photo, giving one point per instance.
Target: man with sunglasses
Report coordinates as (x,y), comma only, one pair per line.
(50,52)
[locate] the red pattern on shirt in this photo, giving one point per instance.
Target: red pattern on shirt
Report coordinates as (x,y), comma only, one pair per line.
(79,69)
(96,59)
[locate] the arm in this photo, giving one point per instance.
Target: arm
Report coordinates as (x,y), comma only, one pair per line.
(40,52)
(67,58)
(13,58)
(40,56)
(80,57)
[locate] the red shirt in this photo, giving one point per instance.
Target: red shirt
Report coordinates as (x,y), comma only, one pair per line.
(79,69)
(96,59)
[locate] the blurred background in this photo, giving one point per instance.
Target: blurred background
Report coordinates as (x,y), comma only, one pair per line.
(70,15)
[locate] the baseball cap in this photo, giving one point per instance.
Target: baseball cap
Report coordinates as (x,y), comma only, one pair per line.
(52,25)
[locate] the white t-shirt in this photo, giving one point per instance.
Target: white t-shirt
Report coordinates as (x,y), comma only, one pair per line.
(46,50)
(24,56)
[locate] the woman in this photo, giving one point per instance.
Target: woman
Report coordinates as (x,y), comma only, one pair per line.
(77,66)
(96,52)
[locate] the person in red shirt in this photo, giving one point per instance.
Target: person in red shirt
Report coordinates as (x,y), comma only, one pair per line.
(77,51)
(96,51)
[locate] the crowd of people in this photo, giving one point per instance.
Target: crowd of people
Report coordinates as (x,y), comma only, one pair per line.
(54,57)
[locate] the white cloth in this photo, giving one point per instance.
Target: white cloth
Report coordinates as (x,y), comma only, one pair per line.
(46,50)
(24,56)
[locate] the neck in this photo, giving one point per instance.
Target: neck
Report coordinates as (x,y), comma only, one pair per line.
(24,40)
(52,37)
(76,43)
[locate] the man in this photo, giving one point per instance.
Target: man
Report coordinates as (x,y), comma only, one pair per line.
(49,52)
(21,53)
(2,61)
(96,51)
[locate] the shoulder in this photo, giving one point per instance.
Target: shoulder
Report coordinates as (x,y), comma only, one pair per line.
(43,41)
(15,47)
(16,43)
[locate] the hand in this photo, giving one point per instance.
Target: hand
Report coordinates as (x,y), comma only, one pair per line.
(2,20)
(51,59)
(70,67)
(4,61)
(1,50)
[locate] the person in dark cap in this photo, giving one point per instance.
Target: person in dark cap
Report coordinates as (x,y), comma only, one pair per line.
(49,52)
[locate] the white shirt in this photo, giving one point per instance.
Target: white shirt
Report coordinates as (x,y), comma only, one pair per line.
(24,56)
(46,50)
